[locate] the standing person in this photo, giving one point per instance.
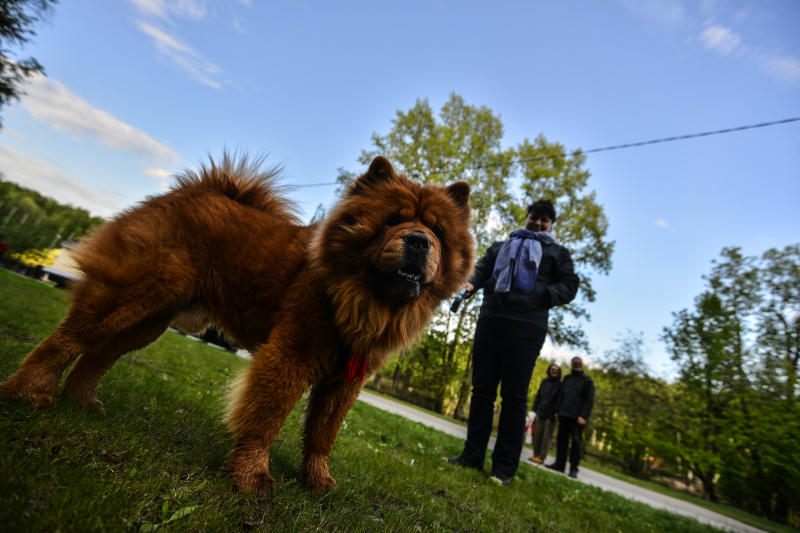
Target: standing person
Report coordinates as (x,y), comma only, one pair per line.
(545,405)
(577,400)
(521,278)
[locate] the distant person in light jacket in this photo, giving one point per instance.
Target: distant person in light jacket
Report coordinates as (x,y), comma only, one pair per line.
(545,405)
(522,279)
(577,400)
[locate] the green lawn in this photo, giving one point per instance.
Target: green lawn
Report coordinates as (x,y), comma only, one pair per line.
(155,459)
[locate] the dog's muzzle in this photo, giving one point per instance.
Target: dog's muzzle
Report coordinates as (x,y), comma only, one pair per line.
(407,282)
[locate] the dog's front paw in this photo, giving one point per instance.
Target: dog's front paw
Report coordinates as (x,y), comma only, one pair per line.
(316,475)
(262,483)
(250,469)
(320,483)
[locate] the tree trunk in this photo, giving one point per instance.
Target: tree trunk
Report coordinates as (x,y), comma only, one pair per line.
(448,362)
(464,390)
(707,479)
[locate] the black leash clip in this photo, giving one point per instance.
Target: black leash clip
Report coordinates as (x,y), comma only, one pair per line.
(458,299)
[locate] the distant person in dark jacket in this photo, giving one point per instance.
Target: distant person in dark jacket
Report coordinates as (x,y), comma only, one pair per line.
(545,405)
(577,400)
(522,278)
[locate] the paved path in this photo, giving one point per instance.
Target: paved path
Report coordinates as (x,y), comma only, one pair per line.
(628,490)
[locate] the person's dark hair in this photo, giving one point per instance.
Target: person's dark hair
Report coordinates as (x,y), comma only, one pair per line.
(543,206)
(557,367)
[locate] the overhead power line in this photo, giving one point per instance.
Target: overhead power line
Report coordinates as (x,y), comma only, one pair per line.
(602,149)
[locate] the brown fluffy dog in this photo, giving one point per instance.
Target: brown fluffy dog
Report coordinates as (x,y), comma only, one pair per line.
(320,306)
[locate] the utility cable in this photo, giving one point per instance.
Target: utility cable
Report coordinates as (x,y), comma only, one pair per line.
(595,150)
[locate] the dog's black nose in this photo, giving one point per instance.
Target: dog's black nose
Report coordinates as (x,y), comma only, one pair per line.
(417,241)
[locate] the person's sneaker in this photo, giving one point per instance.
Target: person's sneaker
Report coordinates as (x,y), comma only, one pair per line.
(573,473)
(536,459)
(461,461)
(500,479)
(554,466)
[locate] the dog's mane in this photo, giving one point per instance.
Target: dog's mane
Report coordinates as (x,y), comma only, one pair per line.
(243,180)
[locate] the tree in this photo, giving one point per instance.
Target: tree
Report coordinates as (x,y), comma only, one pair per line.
(628,414)
(708,345)
(465,143)
(16,19)
(777,325)
(30,221)
(737,355)
(779,321)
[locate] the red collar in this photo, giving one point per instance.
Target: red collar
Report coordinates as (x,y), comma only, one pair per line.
(356,367)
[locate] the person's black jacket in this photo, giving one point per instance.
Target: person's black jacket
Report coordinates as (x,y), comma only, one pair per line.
(547,397)
(556,284)
(577,396)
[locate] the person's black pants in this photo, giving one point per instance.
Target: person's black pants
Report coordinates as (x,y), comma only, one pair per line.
(504,352)
(569,429)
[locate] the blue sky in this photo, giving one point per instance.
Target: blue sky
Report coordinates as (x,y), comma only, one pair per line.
(139,89)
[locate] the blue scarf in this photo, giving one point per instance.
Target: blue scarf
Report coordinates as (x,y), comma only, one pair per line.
(518,260)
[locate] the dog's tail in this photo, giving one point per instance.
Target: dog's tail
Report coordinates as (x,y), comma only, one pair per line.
(243,180)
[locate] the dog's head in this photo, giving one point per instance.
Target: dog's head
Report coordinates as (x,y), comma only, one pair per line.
(392,243)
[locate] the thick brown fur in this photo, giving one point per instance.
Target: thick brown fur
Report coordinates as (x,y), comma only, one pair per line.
(223,247)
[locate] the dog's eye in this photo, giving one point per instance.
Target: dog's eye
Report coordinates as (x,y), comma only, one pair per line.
(438,231)
(349,220)
(394,220)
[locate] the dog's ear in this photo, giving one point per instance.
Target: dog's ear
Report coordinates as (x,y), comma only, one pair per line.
(379,170)
(459,192)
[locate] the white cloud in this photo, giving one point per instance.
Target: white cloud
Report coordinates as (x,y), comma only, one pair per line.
(35,174)
(784,67)
(183,56)
(157,173)
(163,177)
(720,39)
(151,7)
(162,8)
(51,102)
(662,223)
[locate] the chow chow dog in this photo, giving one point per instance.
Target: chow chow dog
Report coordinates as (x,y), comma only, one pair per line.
(319,306)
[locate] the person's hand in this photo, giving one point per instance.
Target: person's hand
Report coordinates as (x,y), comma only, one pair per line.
(581,421)
(470,288)
(556,415)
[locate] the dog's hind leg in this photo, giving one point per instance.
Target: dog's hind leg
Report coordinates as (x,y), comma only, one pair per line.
(38,376)
(274,382)
(328,403)
(81,383)
(99,313)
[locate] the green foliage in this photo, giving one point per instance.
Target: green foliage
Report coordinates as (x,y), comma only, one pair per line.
(16,19)
(30,221)
(737,414)
(155,460)
(778,325)
(629,404)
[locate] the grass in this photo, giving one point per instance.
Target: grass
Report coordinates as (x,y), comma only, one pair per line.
(155,460)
